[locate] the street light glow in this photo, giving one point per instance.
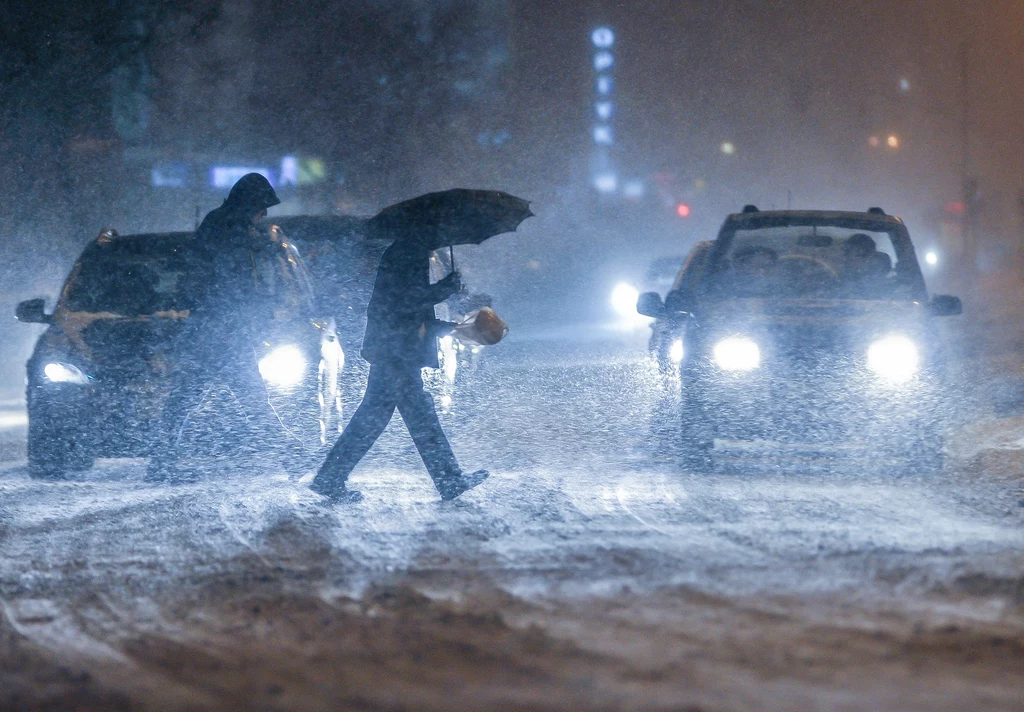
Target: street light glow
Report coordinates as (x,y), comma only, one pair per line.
(893,141)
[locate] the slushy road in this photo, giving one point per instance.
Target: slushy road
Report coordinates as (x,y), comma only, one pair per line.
(590,571)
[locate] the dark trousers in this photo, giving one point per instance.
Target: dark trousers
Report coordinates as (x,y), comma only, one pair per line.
(200,372)
(390,386)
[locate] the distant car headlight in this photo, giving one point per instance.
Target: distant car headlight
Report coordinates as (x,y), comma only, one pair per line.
(624,298)
(284,366)
(894,358)
(675,352)
(58,372)
(737,353)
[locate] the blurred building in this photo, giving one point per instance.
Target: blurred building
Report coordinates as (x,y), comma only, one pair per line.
(372,102)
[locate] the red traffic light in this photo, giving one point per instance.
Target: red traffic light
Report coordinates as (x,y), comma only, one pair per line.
(683,210)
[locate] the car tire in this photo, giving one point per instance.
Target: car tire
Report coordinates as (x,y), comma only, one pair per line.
(50,454)
(696,437)
(925,456)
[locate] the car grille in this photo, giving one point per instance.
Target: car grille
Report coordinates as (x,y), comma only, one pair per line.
(131,350)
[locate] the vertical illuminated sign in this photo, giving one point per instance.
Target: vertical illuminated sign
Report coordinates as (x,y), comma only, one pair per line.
(603,176)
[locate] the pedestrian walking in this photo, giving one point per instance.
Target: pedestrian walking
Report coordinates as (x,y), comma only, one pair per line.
(227,316)
(402,330)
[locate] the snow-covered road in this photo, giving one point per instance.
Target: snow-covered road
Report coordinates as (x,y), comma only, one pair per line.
(582,530)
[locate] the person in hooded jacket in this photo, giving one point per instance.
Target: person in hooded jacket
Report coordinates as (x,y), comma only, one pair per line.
(399,341)
(227,315)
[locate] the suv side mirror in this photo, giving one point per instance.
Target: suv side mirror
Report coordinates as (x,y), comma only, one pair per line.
(945,305)
(677,302)
(649,304)
(32,311)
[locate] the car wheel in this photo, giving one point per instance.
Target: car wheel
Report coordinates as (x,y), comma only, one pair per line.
(697,455)
(696,436)
(51,455)
(925,456)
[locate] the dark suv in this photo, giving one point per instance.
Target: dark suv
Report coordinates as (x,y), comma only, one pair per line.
(666,342)
(99,374)
(813,330)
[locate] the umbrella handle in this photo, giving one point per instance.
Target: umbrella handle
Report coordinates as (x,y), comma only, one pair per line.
(451,255)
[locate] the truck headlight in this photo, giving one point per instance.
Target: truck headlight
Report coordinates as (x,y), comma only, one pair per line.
(284,366)
(59,372)
(894,358)
(737,353)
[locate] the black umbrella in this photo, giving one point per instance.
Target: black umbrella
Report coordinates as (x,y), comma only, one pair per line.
(452,217)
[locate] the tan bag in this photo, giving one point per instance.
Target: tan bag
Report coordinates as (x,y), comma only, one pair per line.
(482,327)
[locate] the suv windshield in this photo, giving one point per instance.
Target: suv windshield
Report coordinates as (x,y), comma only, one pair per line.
(810,260)
(128,285)
(144,276)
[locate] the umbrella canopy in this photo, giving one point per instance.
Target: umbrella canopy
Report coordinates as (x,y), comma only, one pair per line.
(452,217)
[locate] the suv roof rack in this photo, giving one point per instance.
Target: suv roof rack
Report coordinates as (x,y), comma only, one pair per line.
(876,211)
(107,234)
(750,209)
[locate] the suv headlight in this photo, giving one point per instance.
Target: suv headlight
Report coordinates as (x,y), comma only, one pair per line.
(737,353)
(624,298)
(284,366)
(894,358)
(676,351)
(60,372)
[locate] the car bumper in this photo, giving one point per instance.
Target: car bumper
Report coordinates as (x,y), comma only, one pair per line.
(119,421)
(816,408)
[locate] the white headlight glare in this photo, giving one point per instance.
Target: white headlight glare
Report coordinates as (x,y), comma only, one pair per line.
(737,353)
(675,352)
(624,298)
(284,366)
(57,372)
(894,358)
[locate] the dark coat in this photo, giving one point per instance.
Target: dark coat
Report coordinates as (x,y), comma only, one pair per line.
(401,326)
(224,283)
